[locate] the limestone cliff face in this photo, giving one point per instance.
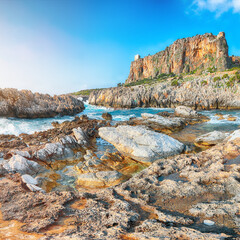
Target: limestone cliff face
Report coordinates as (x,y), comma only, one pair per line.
(184,55)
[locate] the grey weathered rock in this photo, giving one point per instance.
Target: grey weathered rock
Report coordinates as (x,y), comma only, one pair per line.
(80,136)
(141,144)
(184,111)
(21,165)
(54,151)
(25,104)
(164,122)
(191,93)
(211,138)
(233,136)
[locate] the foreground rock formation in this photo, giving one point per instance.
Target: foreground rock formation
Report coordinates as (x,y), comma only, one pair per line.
(25,104)
(171,199)
(183,56)
(198,92)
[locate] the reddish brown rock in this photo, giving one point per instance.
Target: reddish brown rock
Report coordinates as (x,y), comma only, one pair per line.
(183,56)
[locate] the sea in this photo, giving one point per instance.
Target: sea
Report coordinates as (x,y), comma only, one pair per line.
(17,126)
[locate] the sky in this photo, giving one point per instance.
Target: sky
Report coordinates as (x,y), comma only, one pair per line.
(62,46)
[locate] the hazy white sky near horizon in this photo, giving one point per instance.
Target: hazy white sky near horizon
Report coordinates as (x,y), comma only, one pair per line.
(62,46)
(48,61)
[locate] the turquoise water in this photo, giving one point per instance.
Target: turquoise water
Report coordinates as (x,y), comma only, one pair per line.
(18,126)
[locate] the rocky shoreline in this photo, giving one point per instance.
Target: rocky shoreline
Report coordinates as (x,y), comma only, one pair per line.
(25,104)
(199,92)
(151,187)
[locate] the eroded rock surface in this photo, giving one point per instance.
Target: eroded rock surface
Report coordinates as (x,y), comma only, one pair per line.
(168,200)
(211,138)
(25,104)
(141,144)
(197,92)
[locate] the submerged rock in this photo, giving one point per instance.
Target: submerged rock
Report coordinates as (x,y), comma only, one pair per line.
(107,116)
(141,144)
(25,104)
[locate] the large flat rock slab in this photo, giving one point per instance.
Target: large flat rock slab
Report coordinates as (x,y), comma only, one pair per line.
(141,144)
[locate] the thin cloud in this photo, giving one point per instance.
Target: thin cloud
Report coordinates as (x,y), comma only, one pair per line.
(217,6)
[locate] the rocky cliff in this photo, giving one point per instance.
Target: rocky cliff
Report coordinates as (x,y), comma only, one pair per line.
(25,104)
(199,92)
(183,56)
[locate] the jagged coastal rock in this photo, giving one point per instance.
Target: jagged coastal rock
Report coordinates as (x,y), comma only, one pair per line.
(200,92)
(183,56)
(25,104)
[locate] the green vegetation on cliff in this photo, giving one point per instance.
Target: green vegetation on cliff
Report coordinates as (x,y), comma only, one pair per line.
(86,92)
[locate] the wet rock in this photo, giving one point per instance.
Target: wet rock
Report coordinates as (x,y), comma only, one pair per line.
(231,118)
(141,144)
(211,138)
(107,116)
(164,200)
(25,104)
(220,116)
(157,122)
(83,117)
(183,111)
(55,124)
(91,164)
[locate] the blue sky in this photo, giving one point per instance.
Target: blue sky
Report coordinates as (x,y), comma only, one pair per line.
(61,46)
